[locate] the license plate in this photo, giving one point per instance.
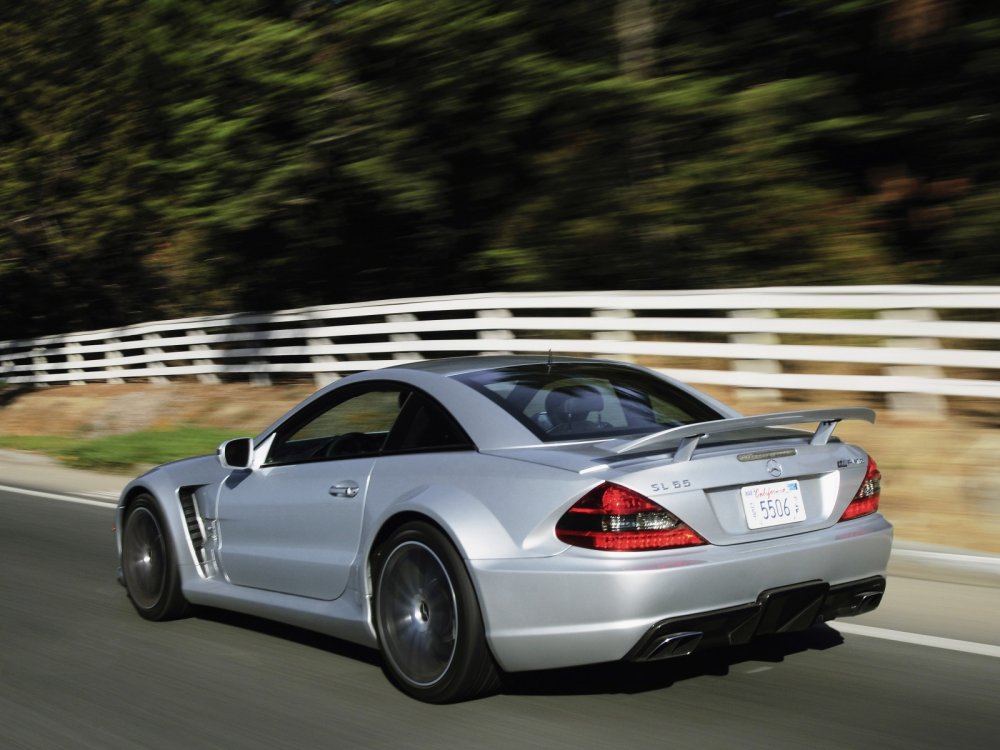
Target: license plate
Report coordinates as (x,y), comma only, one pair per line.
(773,504)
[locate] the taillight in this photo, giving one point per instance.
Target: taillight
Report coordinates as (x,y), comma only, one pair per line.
(866,498)
(615,518)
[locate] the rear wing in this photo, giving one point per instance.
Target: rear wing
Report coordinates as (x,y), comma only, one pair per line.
(690,434)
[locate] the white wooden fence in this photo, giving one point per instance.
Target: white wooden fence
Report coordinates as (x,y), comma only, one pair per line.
(930,340)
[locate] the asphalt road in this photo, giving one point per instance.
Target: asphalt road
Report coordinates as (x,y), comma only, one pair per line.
(79,669)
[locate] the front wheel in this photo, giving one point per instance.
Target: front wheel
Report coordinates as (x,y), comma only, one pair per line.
(427,617)
(148,564)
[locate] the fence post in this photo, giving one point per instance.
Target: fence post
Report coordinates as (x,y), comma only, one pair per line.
(205,377)
(926,404)
(75,358)
(498,334)
(321,378)
(154,349)
(38,363)
(259,376)
(403,318)
(612,335)
(110,355)
(764,366)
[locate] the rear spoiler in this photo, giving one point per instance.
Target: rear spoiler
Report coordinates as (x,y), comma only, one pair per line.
(690,434)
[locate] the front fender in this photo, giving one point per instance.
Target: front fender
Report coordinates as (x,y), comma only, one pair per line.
(164,484)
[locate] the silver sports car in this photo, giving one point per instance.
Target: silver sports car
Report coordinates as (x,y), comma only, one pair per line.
(479,515)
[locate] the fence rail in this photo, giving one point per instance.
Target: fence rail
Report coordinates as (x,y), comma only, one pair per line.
(930,340)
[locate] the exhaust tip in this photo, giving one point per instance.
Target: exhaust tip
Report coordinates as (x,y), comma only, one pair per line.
(673,645)
(868,601)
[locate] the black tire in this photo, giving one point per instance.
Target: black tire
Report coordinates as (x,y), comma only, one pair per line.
(149,568)
(427,617)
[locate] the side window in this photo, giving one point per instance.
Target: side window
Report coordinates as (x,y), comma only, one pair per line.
(426,425)
(349,427)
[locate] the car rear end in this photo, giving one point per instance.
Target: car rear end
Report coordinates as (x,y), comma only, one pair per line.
(663,559)
(706,532)
(795,524)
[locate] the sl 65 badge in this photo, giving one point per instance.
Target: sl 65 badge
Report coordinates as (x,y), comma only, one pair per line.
(677,484)
(845,462)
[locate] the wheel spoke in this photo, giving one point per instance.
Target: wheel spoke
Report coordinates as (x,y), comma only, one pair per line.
(418,611)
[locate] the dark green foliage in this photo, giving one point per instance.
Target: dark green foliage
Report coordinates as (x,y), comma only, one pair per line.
(177,157)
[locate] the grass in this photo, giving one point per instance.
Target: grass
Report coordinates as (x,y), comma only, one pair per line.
(123,452)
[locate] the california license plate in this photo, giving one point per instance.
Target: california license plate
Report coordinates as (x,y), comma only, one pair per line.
(773,504)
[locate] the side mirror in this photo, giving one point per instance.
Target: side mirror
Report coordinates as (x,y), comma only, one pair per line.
(236,453)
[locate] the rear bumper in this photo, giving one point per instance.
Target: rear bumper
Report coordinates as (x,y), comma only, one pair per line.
(786,609)
(582,607)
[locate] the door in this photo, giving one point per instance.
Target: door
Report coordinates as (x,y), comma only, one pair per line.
(294,524)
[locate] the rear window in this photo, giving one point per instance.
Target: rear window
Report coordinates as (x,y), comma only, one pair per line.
(566,401)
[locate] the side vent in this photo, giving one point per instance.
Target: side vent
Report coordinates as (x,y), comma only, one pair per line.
(195,527)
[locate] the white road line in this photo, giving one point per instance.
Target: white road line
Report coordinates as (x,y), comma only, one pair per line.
(959,557)
(54,496)
(110,495)
(968,647)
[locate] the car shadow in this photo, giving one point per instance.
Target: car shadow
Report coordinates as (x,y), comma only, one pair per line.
(597,679)
(290,633)
(631,678)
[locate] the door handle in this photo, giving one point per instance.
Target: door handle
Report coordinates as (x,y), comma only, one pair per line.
(345,488)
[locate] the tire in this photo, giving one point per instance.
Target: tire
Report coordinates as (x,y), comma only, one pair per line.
(149,567)
(427,617)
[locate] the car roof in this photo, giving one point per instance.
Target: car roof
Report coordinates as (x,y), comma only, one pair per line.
(461,365)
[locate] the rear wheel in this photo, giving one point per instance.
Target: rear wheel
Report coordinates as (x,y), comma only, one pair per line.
(148,564)
(427,616)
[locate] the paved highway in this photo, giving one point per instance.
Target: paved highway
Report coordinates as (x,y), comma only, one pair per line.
(79,669)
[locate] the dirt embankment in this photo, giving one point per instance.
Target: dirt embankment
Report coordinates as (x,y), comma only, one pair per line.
(941,476)
(103,409)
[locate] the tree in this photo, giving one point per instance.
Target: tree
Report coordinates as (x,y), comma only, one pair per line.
(181,157)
